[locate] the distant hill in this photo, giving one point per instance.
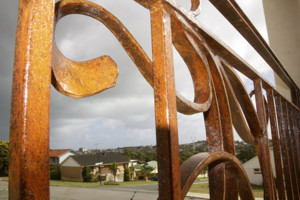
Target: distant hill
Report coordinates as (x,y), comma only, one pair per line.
(244,151)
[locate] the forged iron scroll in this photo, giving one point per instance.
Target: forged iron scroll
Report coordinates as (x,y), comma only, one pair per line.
(191,168)
(133,49)
(219,94)
(241,105)
(81,79)
(72,79)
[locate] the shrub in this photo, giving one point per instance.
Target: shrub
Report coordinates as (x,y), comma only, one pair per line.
(4,154)
(87,174)
(55,173)
(126,174)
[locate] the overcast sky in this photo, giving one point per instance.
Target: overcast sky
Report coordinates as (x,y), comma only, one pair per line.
(124,115)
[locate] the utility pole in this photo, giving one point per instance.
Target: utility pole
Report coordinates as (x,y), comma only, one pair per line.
(99,158)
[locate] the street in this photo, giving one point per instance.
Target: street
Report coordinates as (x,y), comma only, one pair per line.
(140,192)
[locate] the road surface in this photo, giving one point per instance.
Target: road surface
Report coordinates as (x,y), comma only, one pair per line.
(140,192)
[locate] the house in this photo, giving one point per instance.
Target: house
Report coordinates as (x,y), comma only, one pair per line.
(71,168)
(132,167)
(253,170)
(57,156)
(146,170)
(153,164)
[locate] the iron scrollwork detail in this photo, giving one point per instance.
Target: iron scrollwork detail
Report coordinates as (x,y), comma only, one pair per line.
(219,93)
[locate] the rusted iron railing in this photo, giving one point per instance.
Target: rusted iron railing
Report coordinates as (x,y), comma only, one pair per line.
(219,94)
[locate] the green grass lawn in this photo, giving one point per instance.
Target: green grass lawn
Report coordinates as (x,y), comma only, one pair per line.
(97,184)
(203,188)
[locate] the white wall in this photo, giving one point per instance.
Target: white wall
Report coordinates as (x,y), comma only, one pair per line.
(282,18)
(64,156)
(70,162)
(250,165)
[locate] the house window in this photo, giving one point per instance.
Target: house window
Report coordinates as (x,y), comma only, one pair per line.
(54,160)
(257,171)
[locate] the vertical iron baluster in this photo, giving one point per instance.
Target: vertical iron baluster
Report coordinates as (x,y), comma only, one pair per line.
(290,148)
(231,191)
(165,105)
(215,143)
(284,151)
(292,129)
(296,125)
(276,144)
(29,122)
(262,146)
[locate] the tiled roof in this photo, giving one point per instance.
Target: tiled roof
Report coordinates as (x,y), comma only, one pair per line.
(57,152)
(106,158)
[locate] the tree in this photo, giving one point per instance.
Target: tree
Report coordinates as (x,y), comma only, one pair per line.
(130,154)
(87,174)
(114,170)
(151,155)
(126,174)
(55,173)
(141,155)
(147,169)
(245,153)
(4,155)
(184,155)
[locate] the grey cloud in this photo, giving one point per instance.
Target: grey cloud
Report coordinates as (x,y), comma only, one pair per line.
(8,22)
(120,116)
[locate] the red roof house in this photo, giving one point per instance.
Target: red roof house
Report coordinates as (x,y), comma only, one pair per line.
(57,156)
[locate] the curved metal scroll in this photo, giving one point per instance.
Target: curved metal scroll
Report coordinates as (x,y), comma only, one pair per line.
(81,79)
(195,164)
(215,86)
(239,96)
(226,102)
(197,64)
(195,5)
(130,45)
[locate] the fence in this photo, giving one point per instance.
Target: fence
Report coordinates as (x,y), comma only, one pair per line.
(219,94)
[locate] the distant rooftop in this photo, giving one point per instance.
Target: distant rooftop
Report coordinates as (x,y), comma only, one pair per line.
(107,158)
(57,152)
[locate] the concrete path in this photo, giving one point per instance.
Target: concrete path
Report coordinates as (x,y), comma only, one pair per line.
(3,190)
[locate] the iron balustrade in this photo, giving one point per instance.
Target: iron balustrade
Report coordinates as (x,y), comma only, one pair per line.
(219,94)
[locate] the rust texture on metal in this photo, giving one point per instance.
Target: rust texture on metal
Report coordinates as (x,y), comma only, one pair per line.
(290,150)
(218,93)
(195,164)
(293,147)
(215,143)
(226,127)
(165,104)
(81,79)
(29,122)
(283,146)
(276,144)
(262,145)
(243,106)
(234,14)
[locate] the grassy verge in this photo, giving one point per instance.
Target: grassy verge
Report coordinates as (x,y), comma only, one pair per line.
(4,178)
(203,188)
(97,184)
(200,188)
(258,191)
(202,178)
